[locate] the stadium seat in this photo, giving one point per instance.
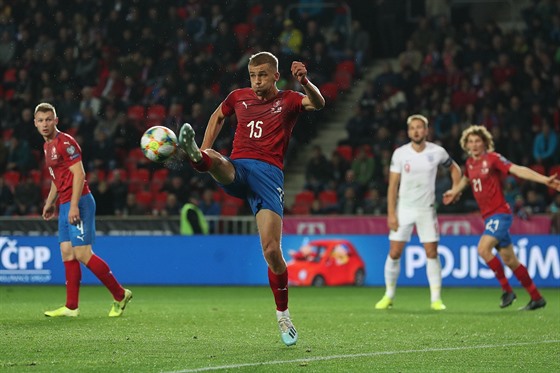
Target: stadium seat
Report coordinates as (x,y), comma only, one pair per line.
(227,199)
(538,168)
(138,180)
(306,197)
(123,174)
(144,198)
(160,200)
(555,170)
(328,198)
(229,209)
(330,92)
(347,66)
(12,178)
(7,134)
(343,80)
(35,175)
(135,158)
(156,112)
(136,113)
(346,152)
(300,209)
(241,32)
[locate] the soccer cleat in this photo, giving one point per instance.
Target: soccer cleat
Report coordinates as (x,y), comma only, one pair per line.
(534,304)
(508,297)
(118,307)
(287,331)
(187,143)
(438,305)
(63,312)
(384,304)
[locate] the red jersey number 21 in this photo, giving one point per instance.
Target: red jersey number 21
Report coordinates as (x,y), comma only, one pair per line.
(256,129)
(477,185)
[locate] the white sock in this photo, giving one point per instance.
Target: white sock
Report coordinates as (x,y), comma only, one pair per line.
(392,271)
(280,314)
(433,271)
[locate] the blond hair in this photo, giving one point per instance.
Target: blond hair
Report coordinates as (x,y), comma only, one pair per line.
(479,131)
(419,117)
(262,58)
(45,107)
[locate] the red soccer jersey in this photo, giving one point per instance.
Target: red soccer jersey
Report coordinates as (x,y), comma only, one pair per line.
(263,127)
(485,175)
(61,153)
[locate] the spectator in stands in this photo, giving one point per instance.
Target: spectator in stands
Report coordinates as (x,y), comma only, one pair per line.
(349,202)
(119,191)
(338,166)
(172,206)
(358,128)
(373,202)
(321,63)
(545,146)
(7,205)
(19,155)
(103,199)
(290,38)
(176,185)
(317,171)
(208,204)
(363,166)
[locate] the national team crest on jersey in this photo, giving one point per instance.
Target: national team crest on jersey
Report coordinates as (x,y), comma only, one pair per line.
(276,108)
(54,155)
(407,167)
(484,168)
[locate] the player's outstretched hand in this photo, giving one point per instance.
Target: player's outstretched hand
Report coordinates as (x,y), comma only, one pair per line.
(299,72)
(450,197)
(553,182)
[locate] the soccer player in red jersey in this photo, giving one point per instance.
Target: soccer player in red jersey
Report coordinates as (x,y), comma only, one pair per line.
(76,222)
(253,171)
(484,170)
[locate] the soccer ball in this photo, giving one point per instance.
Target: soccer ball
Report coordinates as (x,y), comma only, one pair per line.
(158,143)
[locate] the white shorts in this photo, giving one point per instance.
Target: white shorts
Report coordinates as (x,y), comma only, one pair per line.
(425,220)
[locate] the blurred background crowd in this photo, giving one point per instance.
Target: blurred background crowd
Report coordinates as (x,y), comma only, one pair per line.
(113,69)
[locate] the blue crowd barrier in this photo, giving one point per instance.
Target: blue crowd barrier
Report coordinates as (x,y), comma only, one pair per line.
(238,260)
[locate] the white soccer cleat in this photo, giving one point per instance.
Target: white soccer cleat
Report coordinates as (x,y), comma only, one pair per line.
(187,143)
(288,332)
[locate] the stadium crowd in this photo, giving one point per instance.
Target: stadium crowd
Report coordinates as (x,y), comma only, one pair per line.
(113,69)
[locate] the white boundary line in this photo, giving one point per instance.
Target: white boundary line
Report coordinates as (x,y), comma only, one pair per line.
(350,356)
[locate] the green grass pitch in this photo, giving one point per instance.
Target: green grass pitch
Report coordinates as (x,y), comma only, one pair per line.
(233,329)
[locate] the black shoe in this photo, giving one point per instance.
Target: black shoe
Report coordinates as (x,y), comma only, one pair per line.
(534,304)
(507,299)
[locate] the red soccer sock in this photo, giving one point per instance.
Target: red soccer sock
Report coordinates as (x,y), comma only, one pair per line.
(102,271)
(498,269)
(73,272)
(204,164)
(525,280)
(279,286)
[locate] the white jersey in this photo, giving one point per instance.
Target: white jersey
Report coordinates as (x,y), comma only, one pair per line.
(418,172)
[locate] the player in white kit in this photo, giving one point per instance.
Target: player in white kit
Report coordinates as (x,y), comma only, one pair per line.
(410,202)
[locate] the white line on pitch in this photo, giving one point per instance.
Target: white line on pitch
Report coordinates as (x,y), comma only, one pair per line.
(349,356)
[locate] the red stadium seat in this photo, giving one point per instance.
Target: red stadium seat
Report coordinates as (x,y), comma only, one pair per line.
(35,175)
(136,113)
(300,209)
(144,198)
(345,152)
(343,80)
(347,66)
(538,168)
(156,112)
(241,32)
(12,178)
(330,92)
(555,170)
(305,196)
(160,200)
(328,198)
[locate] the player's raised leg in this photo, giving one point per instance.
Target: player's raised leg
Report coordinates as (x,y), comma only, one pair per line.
(188,144)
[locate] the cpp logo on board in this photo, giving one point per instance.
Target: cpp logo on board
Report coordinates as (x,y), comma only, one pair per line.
(23,264)
(461,261)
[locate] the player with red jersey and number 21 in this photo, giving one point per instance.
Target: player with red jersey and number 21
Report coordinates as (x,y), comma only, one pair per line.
(484,170)
(266,117)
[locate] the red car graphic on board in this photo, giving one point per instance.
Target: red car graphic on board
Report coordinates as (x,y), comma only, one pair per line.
(329,262)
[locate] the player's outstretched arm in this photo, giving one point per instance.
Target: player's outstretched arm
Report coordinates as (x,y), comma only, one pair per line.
(313,100)
(453,194)
(528,174)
